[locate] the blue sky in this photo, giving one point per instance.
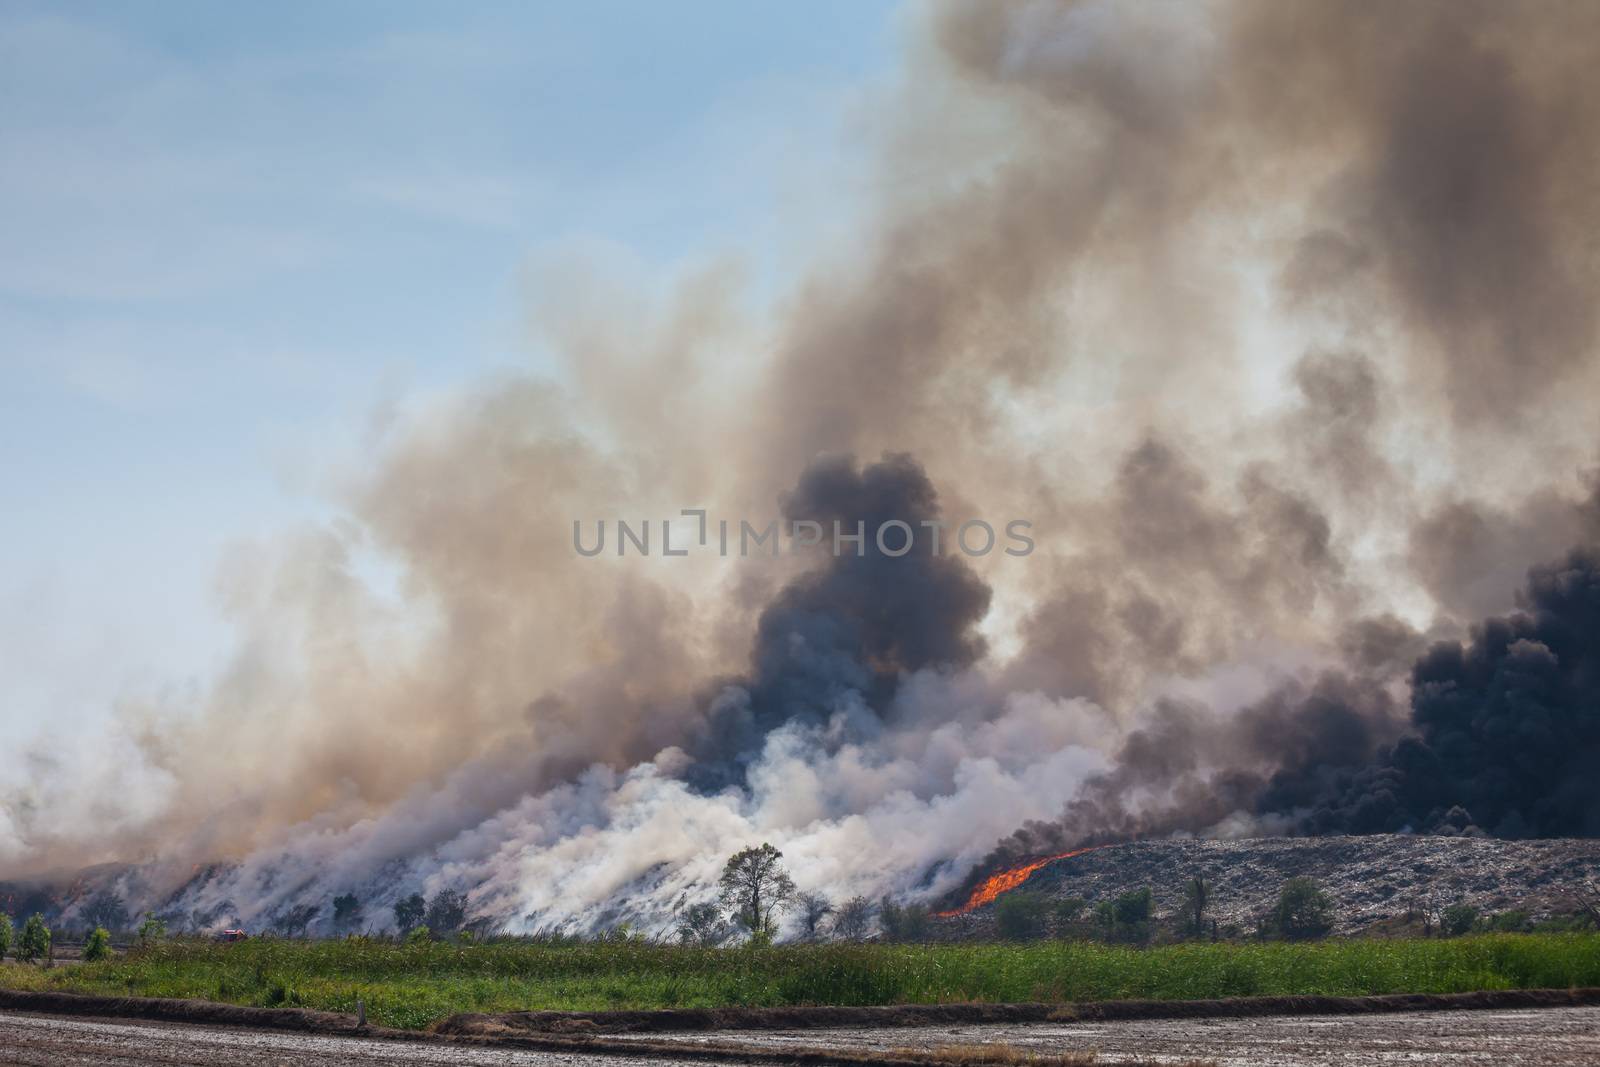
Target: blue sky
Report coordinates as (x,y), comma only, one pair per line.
(228,232)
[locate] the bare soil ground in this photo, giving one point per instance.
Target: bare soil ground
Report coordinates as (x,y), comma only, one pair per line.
(52,1041)
(1548,1037)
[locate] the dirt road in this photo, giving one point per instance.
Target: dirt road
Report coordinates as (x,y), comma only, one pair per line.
(52,1041)
(1552,1037)
(1545,1037)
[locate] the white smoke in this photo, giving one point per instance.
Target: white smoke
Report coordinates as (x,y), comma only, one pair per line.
(856,808)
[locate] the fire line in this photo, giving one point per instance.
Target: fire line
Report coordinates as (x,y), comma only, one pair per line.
(1004,881)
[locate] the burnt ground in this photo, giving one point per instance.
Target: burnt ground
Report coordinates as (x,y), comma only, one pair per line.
(1372,879)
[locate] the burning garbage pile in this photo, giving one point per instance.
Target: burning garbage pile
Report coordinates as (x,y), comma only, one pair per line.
(989,889)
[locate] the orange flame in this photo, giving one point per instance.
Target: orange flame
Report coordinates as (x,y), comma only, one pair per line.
(1004,881)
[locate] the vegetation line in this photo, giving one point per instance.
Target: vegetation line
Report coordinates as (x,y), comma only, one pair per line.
(411,985)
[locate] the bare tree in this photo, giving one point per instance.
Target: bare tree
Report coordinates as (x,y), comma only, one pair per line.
(291,922)
(1425,906)
(853,919)
(106,909)
(755,887)
(813,908)
(1588,896)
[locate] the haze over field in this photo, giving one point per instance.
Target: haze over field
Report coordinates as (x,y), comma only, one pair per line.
(1276,320)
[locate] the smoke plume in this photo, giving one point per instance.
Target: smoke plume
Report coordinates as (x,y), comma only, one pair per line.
(1275,320)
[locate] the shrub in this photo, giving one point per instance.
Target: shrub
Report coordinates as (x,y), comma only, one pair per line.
(1459,919)
(35,939)
(1132,907)
(1068,911)
(902,922)
(5,934)
(98,945)
(914,922)
(1126,917)
(419,935)
(1020,916)
(1514,921)
(1303,911)
(280,993)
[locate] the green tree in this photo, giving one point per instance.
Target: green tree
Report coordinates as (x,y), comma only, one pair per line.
(152,929)
(902,922)
(890,915)
(408,912)
(914,922)
(1196,895)
(446,912)
(1126,917)
(346,911)
(35,940)
(1303,911)
(1020,916)
(98,945)
(6,933)
(1459,919)
(1069,910)
(702,924)
(755,887)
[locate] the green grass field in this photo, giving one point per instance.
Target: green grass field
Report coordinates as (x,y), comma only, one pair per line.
(412,985)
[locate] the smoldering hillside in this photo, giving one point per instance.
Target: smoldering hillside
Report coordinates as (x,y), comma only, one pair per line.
(1275,319)
(1375,882)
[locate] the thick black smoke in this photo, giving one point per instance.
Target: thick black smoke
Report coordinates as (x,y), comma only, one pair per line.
(1502,737)
(1507,725)
(839,639)
(1189,768)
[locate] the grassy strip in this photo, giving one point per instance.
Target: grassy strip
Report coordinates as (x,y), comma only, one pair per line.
(411,986)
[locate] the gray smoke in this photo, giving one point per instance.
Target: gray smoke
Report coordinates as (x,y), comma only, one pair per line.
(1274,318)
